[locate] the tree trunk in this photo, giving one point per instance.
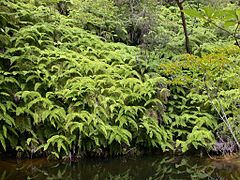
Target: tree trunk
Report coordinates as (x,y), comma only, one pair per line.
(184,24)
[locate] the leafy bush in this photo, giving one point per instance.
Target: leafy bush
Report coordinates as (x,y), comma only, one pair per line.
(205,97)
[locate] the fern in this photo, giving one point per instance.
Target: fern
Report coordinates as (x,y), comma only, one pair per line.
(65,88)
(61,141)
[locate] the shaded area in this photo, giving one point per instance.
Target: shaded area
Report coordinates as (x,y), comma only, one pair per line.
(147,167)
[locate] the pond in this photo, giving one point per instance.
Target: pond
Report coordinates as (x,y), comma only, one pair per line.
(140,168)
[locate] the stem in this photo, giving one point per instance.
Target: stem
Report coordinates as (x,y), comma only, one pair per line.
(184,24)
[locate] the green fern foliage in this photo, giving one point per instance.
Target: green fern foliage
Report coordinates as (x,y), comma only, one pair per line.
(65,91)
(68,87)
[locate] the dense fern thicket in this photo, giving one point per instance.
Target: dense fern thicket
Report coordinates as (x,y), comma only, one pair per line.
(69,88)
(65,91)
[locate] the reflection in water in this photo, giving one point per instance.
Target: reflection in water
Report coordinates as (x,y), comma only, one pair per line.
(149,168)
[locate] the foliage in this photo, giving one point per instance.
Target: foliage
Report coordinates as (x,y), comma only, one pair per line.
(140,19)
(68,87)
(65,91)
(204,90)
(101,17)
(227,19)
(167,38)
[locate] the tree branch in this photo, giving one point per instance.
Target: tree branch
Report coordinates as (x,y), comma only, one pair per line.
(225,30)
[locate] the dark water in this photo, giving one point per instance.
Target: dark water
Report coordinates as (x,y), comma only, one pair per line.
(141,168)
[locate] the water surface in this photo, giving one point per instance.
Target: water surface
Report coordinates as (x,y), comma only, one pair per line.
(140,168)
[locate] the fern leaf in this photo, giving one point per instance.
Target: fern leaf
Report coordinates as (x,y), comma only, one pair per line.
(3,143)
